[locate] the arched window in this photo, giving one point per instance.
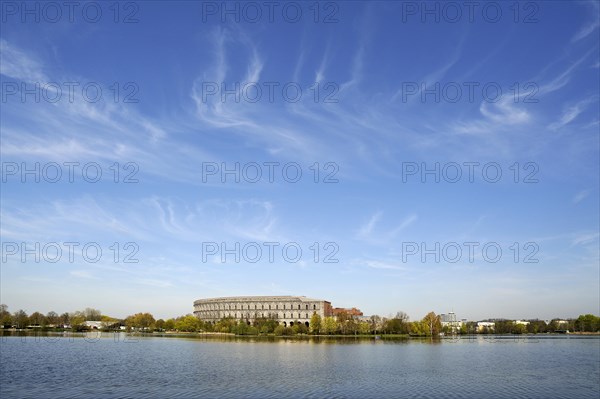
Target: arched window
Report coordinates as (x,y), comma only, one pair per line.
(314,306)
(307,306)
(298,306)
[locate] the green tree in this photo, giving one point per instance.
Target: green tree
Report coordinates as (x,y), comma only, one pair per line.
(342,316)
(295,329)
(588,323)
(20,319)
(397,325)
(226,325)
(432,323)
(145,321)
(364,328)
(77,321)
(329,325)
(279,330)
(65,319)
(169,325)
(301,327)
(376,323)
(37,319)
(315,323)
(52,318)
(265,325)
(92,314)
(351,326)
(160,324)
(464,329)
(553,325)
(5,317)
(140,321)
(537,327)
(418,328)
(519,328)
(6,321)
(503,326)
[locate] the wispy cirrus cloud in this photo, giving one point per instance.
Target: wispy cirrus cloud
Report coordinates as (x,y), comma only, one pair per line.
(368,232)
(367,228)
(374,264)
(591,25)
(19,65)
(80,130)
(580,196)
(572,112)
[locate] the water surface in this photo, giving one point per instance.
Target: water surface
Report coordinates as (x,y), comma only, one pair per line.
(131,367)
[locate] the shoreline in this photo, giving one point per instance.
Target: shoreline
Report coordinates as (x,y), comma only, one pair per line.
(272,337)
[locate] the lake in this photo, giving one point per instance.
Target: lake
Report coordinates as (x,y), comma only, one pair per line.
(159,367)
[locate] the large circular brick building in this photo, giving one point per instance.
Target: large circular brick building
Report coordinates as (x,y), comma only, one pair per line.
(287,310)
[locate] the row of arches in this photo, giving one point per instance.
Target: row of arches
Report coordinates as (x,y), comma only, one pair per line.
(235,315)
(291,324)
(286,324)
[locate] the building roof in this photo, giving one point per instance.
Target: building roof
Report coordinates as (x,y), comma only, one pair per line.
(283,298)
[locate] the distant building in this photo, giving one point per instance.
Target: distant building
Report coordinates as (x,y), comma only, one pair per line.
(486,325)
(93,325)
(449,320)
(350,312)
(100,325)
(287,310)
(522,322)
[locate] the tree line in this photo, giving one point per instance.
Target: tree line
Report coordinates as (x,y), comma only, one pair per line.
(342,324)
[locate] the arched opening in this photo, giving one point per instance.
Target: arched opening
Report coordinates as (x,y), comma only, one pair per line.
(306,324)
(291,323)
(284,324)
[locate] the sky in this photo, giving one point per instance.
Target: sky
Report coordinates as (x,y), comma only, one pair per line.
(390,156)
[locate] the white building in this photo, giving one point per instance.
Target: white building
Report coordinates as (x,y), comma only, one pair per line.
(483,325)
(287,310)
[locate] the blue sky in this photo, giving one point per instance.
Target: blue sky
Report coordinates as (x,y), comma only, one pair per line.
(370,125)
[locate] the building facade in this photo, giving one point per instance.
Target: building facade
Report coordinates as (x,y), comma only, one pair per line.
(450,321)
(486,326)
(287,310)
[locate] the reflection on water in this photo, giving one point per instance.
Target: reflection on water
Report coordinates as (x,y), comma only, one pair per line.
(103,365)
